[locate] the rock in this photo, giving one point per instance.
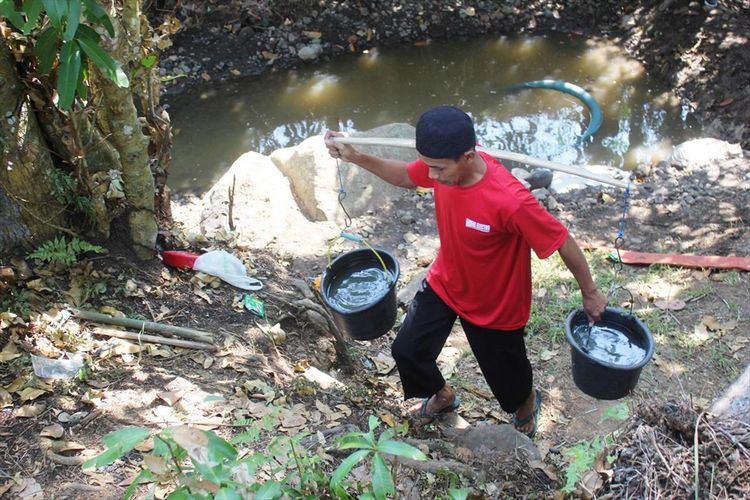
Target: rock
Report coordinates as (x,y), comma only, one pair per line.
(313,176)
(541,194)
(735,401)
(489,441)
(540,178)
(521,174)
(309,52)
(702,152)
(265,211)
(407,292)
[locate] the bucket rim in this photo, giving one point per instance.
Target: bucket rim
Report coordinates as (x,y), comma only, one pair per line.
(622,312)
(396,272)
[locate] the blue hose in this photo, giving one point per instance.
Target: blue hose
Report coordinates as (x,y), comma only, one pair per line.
(594,110)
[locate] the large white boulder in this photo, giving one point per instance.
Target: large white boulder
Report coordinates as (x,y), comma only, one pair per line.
(264,210)
(314,177)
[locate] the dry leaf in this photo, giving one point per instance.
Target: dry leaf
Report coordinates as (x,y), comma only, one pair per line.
(9,352)
(547,469)
(291,420)
(190,438)
(169,397)
(157,465)
(31,411)
(54,431)
(389,419)
(5,398)
(547,354)
(384,363)
(30,394)
(208,362)
(200,293)
(726,102)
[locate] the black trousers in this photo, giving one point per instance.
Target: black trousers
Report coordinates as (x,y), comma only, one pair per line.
(501,354)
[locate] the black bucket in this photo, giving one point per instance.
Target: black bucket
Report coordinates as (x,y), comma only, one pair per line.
(371,320)
(599,378)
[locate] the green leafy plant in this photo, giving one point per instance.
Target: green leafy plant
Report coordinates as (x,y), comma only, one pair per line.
(368,446)
(61,37)
(65,191)
(63,251)
(583,456)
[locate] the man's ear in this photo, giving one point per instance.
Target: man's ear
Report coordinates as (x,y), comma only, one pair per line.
(469,155)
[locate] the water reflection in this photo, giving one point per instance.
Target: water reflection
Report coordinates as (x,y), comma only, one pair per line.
(219,123)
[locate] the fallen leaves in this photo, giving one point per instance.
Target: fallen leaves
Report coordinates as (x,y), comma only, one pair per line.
(709,328)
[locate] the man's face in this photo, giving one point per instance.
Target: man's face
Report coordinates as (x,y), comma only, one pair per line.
(446,170)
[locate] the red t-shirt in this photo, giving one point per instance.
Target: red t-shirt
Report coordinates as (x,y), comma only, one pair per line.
(487,230)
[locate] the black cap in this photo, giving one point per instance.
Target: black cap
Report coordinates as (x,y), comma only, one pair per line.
(445,132)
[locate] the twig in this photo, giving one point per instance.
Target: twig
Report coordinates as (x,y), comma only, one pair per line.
(696,475)
(108,332)
(230,194)
(150,326)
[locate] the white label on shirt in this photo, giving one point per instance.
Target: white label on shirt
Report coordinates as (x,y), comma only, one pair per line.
(485,228)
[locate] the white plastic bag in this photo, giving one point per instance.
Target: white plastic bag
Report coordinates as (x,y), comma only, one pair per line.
(227,267)
(65,367)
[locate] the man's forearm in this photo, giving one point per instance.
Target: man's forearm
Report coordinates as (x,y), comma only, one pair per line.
(576,262)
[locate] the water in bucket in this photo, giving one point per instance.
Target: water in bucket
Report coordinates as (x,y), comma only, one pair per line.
(359,287)
(608,344)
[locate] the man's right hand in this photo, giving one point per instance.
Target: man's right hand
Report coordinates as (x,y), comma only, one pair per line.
(338,150)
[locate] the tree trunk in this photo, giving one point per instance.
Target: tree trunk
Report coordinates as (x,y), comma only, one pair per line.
(121,121)
(29,214)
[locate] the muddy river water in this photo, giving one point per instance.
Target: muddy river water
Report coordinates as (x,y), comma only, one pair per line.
(217,123)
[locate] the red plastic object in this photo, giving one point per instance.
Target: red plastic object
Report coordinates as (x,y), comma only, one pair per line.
(179,258)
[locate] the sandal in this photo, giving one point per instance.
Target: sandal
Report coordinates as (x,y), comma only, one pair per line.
(423,413)
(520,422)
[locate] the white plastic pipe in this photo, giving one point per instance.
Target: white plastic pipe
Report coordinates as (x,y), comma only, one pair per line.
(497,153)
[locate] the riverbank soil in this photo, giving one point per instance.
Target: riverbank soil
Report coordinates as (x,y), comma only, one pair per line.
(258,377)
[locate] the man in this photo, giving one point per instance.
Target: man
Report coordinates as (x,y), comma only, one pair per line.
(488,223)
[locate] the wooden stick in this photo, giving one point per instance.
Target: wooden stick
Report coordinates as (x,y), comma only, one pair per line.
(580,171)
(150,326)
(108,332)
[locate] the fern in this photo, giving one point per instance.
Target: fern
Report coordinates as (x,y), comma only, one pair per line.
(62,251)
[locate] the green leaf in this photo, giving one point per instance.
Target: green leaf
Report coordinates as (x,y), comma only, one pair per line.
(354,440)
(8,10)
(74,19)
(32,8)
(118,443)
(344,469)
(89,42)
(180,494)
(620,412)
(401,449)
(56,9)
(217,474)
(373,423)
(149,61)
(95,14)
(382,482)
(45,48)
(268,491)
(218,449)
(227,493)
(144,474)
(458,494)
(67,73)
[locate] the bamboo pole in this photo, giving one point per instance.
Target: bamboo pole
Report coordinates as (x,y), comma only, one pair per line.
(149,326)
(580,171)
(120,334)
